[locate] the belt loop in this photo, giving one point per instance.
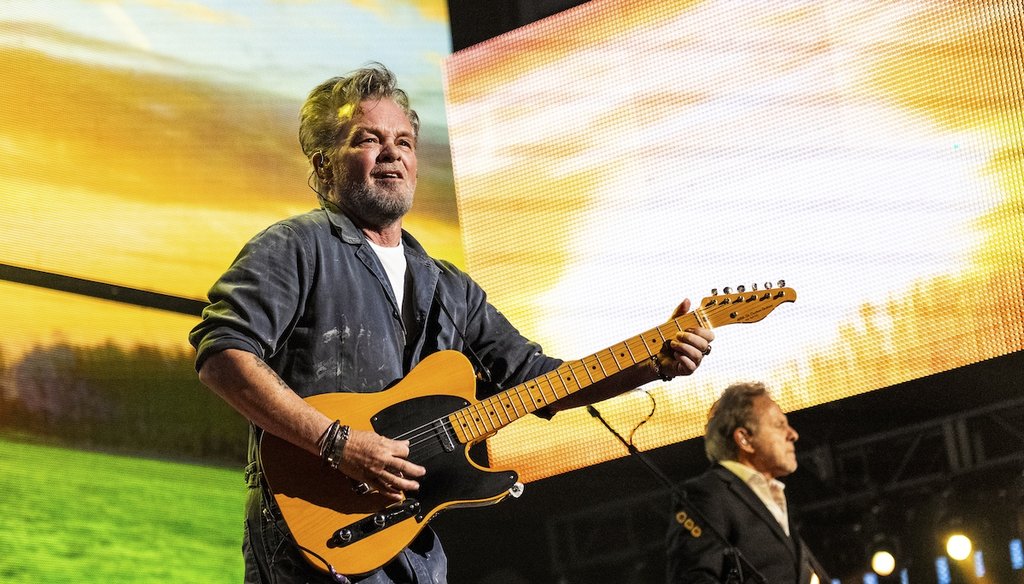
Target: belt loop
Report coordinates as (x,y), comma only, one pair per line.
(253,475)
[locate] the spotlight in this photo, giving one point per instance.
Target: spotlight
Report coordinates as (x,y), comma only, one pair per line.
(883,562)
(959,547)
(884,550)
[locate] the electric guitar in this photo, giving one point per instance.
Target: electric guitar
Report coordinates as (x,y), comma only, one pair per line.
(435,408)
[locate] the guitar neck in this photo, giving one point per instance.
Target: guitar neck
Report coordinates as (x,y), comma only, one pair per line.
(483,418)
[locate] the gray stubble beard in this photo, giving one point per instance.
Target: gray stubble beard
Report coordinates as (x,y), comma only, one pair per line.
(378,207)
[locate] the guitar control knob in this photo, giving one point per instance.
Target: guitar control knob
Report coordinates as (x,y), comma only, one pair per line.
(379,520)
(345,535)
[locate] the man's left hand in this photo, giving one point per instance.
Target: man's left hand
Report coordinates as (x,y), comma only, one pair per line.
(684,353)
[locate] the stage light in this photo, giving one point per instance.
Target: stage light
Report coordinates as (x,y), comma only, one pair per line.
(883,550)
(883,562)
(1016,554)
(959,547)
(943,575)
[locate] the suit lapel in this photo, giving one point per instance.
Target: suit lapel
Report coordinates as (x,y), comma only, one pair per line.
(751,500)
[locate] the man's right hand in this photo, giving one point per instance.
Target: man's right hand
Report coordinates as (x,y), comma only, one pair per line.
(381,463)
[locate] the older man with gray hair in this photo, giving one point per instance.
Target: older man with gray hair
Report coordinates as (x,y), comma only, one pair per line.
(750,444)
(341,299)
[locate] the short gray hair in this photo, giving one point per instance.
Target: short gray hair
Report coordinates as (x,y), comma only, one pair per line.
(734,409)
(333,103)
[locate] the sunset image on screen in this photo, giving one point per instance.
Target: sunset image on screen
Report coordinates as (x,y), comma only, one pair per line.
(142,143)
(618,157)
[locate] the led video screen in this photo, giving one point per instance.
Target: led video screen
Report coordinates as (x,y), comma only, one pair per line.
(605,163)
(141,145)
(619,156)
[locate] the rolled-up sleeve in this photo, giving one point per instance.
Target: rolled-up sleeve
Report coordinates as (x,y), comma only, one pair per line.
(256,302)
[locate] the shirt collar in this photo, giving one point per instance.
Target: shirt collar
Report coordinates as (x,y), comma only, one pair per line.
(749,475)
(349,233)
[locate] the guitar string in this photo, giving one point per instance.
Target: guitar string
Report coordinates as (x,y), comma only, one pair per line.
(412,434)
(431,433)
(432,430)
(416,435)
(425,448)
(484,404)
(427,440)
(426,433)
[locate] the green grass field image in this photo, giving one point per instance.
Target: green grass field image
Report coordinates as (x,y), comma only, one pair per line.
(74,516)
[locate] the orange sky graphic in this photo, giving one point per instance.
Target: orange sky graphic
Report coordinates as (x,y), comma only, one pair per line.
(150,182)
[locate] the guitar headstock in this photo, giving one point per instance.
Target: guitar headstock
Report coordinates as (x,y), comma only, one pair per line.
(744,305)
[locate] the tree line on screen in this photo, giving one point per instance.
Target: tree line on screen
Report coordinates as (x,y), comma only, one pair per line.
(142,400)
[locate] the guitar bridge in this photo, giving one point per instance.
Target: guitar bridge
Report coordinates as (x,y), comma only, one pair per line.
(373,523)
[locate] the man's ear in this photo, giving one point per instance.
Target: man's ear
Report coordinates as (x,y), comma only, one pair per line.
(742,438)
(321,165)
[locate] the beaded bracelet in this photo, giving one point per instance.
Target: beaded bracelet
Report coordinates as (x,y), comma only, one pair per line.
(658,370)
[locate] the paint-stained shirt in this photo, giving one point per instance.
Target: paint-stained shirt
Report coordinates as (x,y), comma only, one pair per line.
(309,297)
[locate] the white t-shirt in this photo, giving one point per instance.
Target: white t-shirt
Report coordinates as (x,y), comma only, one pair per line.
(393,260)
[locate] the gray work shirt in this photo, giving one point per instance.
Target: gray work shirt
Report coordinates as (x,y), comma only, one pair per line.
(309,297)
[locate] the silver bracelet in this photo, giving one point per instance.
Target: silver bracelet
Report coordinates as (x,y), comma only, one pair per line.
(333,452)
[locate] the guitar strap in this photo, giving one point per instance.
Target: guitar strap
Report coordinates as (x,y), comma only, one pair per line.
(483,373)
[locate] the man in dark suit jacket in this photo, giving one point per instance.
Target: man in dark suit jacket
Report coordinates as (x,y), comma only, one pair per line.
(750,444)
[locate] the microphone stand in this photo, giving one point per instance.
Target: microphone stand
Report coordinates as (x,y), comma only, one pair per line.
(740,569)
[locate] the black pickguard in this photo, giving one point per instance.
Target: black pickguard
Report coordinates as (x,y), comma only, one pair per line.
(451,477)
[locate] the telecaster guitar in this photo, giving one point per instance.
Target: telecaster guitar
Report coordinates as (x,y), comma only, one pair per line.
(435,408)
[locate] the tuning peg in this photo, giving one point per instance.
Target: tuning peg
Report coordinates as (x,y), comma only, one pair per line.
(727,290)
(714,291)
(754,286)
(767,285)
(782,283)
(741,288)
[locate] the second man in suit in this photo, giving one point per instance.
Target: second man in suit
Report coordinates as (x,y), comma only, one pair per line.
(750,444)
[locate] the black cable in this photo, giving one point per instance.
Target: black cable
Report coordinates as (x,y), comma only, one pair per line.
(485,373)
(740,568)
(650,414)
